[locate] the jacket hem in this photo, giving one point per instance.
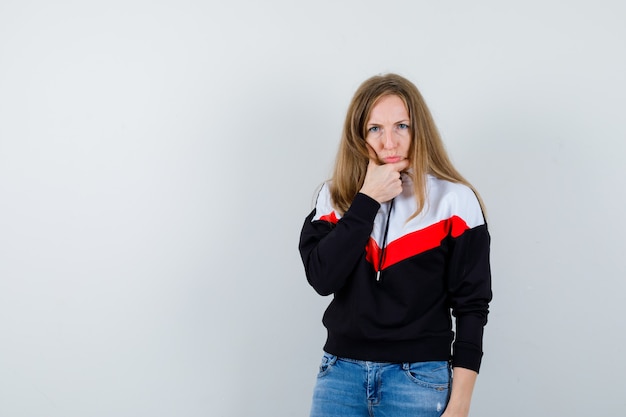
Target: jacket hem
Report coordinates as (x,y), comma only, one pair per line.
(397,351)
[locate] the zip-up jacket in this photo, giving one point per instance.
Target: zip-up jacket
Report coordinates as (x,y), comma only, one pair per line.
(393,302)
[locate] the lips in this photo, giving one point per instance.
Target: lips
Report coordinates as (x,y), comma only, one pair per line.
(392,159)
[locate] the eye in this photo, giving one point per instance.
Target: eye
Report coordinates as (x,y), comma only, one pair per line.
(373,129)
(403,126)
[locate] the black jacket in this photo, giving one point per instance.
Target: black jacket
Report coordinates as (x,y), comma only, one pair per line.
(434,265)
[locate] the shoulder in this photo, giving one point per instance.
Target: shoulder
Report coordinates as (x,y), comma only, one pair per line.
(455,199)
(324,209)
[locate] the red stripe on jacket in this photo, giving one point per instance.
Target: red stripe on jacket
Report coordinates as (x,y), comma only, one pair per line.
(415,243)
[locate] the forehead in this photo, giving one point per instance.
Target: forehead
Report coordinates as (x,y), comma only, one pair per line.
(389,106)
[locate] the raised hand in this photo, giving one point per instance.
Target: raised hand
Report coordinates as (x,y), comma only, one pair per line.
(383,182)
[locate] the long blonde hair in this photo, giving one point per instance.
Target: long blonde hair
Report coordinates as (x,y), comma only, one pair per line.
(427,153)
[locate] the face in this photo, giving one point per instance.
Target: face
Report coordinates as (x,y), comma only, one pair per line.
(388,129)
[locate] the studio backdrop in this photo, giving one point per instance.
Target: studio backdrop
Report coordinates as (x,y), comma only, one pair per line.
(158,158)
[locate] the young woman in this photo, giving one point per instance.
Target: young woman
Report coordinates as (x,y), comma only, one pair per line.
(399,238)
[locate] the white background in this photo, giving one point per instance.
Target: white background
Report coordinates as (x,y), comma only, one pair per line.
(157,159)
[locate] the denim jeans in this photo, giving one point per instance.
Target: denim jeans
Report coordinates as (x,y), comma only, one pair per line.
(351,388)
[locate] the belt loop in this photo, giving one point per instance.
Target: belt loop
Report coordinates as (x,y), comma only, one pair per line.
(406,366)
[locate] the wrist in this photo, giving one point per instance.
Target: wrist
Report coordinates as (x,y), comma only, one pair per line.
(368,193)
(456,409)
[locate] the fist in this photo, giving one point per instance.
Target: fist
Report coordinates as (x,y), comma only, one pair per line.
(383,182)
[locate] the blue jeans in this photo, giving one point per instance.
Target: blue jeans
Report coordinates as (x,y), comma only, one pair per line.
(352,388)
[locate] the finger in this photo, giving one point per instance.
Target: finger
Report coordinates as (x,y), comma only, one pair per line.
(400,165)
(372,164)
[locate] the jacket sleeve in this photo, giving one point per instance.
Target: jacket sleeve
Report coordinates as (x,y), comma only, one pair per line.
(331,251)
(469,289)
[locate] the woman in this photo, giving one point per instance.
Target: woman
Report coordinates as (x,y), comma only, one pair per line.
(399,238)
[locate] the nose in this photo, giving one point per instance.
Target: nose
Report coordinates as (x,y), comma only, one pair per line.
(388,140)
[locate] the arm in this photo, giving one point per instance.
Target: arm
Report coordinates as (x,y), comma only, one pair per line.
(330,251)
(463,381)
(469,288)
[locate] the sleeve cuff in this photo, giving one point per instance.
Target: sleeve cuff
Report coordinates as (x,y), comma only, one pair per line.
(466,356)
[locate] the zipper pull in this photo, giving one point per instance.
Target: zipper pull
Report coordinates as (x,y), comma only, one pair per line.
(378,275)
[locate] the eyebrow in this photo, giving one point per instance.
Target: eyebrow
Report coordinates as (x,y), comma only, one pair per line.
(405,121)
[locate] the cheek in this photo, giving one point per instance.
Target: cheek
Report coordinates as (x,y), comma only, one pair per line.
(406,144)
(372,142)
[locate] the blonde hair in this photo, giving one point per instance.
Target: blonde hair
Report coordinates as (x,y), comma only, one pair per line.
(427,153)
